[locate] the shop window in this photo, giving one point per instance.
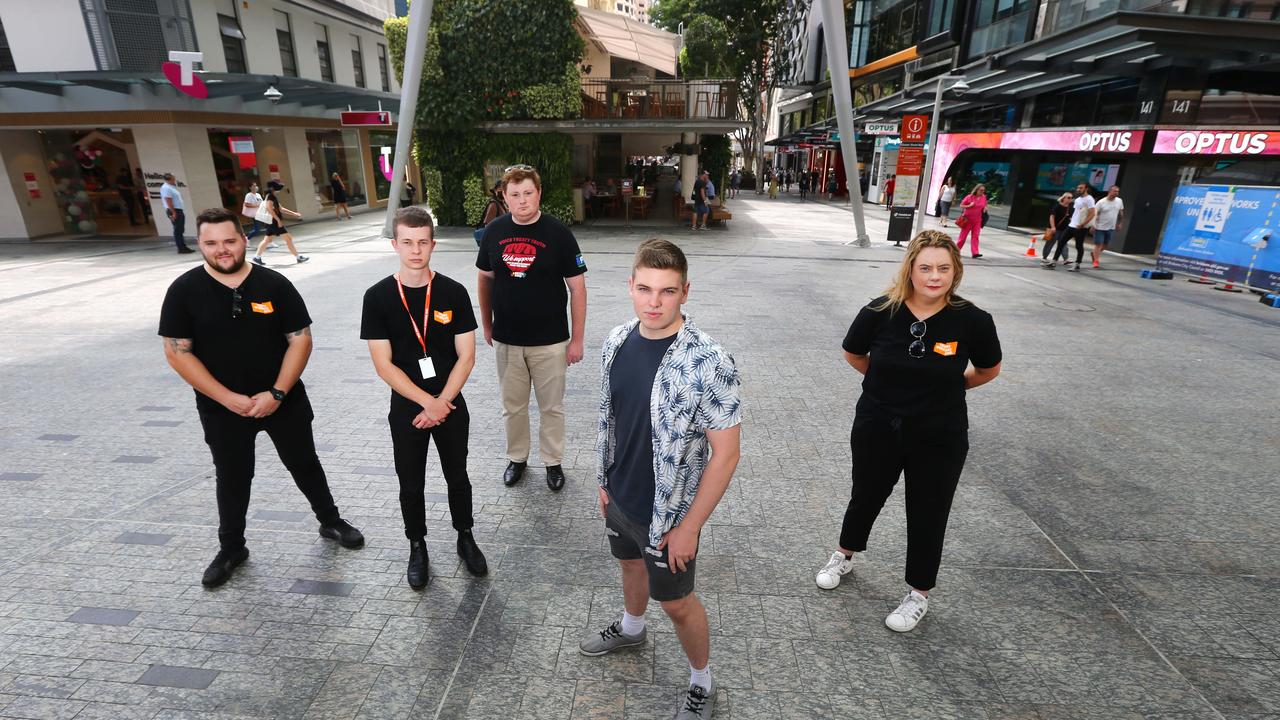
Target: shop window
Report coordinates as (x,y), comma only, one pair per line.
(990,117)
(1231,107)
(336,151)
(893,28)
(137,36)
(234,169)
(232,43)
(6,56)
(379,145)
(284,38)
(322,52)
(96,189)
(382,68)
(1114,102)
(357,60)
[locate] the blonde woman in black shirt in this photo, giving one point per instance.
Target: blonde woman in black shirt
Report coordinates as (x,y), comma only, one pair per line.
(920,347)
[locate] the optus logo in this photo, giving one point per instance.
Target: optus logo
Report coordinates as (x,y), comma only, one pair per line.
(1221,143)
(1118,141)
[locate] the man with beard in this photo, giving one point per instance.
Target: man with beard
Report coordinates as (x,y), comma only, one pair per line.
(240,336)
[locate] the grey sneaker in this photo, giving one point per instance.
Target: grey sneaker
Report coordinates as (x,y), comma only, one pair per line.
(257,260)
(698,704)
(609,639)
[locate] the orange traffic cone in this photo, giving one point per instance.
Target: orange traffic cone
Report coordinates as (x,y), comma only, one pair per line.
(1202,280)
(1031,249)
(1229,287)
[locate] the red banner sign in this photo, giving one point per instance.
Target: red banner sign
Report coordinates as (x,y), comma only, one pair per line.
(915,129)
(359,118)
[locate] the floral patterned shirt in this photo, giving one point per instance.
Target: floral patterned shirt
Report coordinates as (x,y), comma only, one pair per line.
(696,389)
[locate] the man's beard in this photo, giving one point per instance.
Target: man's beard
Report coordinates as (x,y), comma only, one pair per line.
(235,266)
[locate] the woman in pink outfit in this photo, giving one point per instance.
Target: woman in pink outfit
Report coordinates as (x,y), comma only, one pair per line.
(971,210)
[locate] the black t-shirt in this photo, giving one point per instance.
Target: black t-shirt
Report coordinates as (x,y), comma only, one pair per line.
(243,353)
(630,477)
(384,318)
(1061,216)
(698,188)
(899,385)
(529,265)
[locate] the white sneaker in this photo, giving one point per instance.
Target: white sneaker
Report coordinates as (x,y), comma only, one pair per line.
(829,576)
(908,614)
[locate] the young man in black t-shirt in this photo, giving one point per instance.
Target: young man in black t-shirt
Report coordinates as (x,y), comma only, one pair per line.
(422,338)
(240,335)
(530,265)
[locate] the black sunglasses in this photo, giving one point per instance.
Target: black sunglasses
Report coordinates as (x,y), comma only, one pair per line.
(917,330)
(236,308)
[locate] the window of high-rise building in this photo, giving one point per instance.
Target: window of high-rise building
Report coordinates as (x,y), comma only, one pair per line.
(284,38)
(6,56)
(357,60)
(232,37)
(322,52)
(382,68)
(130,35)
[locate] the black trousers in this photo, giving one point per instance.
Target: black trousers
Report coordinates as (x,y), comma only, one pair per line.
(231,441)
(179,226)
(931,458)
(410,444)
(1078,234)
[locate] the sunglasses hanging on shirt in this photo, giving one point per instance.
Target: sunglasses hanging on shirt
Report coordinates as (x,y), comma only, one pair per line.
(917,330)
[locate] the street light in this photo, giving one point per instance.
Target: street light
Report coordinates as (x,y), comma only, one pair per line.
(959,87)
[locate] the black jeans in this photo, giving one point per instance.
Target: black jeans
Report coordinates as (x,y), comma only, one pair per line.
(179,225)
(409,446)
(931,457)
(1066,235)
(231,441)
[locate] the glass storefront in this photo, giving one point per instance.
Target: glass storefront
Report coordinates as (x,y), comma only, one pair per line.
(336,151)
(382,147)
(235,164)
(95,180)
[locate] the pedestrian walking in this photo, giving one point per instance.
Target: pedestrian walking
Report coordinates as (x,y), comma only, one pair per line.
(338,189)
(426,366)
(143,196)
(530,267)
(889,186)
(915,345)
(735,183)
(786,182)
(1109,214)
(128,194)
(666,457)
(171,197)
(1082,213)
(240,336)
(803,185)
(272,213)
(1058,230)
(249,210)
(947,197)
(973,208)
(832,184)
(773,186)
(701,208)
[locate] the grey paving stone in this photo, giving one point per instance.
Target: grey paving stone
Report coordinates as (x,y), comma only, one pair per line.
(191,678)
(155,408)
(20,476)
(37,708)
(142,538)
(58,437)
(103,616)
(162,423)
(281,515)
(373,470)
(136,459)
(321,587)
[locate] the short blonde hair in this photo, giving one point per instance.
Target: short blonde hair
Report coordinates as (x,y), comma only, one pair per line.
(520,173)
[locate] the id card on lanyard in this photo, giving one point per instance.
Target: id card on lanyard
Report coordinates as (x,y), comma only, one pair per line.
(425,365)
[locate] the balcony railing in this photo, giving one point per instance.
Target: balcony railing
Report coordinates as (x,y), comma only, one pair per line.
(643,99)
(1063,15)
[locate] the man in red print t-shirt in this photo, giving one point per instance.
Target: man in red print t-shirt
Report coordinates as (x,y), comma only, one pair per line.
(530,268)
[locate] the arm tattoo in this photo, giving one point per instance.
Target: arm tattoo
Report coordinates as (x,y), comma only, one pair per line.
(179,345)
(299,333)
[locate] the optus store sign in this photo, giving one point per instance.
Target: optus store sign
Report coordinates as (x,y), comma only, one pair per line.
(950,145)
(1217,142)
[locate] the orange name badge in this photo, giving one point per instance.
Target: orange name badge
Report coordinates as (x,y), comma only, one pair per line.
(262,307)
(444,317)
(945,349)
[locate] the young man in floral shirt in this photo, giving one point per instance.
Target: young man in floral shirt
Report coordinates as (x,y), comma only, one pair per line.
(668,445)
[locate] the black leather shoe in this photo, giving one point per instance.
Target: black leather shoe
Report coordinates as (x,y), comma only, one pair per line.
(555,478)
(185,251)
(342,531)
(419,564)
(513,473)
(471,555)
(224,563)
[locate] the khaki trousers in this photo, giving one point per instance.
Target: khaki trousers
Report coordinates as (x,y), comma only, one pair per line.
(543,367)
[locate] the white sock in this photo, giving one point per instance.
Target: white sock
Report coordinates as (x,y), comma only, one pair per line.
(632,624)
(701,678)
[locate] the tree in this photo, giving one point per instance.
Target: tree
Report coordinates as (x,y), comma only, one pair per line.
(706,48)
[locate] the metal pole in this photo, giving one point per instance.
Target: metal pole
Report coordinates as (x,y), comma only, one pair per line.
(838,64)
(414,52)
(927,179)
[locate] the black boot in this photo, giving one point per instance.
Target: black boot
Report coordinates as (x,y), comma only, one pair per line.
(513,473)
(418,573)
(471,555)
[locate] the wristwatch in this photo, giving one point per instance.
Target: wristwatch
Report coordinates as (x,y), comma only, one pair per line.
(279,395)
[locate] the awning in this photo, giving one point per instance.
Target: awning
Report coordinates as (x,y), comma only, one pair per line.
(620,36)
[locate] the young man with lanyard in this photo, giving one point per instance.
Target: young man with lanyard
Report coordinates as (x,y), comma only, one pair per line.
(530,266)
(426,364)
(659,484)
(241,337)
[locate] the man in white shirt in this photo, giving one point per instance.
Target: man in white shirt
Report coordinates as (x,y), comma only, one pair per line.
(1084,208)
(250,208)
(171,197)
(1110,213)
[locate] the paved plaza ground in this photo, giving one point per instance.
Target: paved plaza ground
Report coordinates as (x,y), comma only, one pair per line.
(1112,553)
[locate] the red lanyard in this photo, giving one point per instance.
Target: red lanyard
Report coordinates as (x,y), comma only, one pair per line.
(426,312)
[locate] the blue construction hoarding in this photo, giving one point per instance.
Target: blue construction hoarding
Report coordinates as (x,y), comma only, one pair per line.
(1229,233)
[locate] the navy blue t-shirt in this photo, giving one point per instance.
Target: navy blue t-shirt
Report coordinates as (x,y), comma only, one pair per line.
(630,477)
